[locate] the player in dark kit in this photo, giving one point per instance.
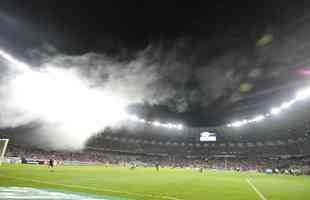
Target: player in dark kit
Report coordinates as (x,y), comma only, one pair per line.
(157,166)
(201,169)
(51,164)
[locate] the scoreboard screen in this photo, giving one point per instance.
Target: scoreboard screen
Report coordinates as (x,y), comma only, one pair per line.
(207,137)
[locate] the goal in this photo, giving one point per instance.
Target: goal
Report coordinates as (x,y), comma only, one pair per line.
(3,146)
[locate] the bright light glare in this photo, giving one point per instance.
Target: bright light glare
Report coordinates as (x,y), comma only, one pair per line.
(180,126)
(133,117)
(303,94)
(66,102)
(237,124)
(287,105)
(142,120)
(170,125)
(60,96)
(275,111)
(244,122)
(17,64)
(258,118)
(156,123)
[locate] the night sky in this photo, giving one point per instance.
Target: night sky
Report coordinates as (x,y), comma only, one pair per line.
(217,60)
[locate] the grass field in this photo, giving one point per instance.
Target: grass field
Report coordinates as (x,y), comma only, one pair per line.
(148,184)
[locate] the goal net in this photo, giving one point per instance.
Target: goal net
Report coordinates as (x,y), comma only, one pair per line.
(3,146)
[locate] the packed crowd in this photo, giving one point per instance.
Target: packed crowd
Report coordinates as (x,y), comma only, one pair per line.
(101,156)
(83,155)
(170,148)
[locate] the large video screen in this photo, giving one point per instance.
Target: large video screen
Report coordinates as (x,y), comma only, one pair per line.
(207,137)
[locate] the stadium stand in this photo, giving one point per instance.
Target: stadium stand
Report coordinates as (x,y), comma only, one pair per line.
(274,144)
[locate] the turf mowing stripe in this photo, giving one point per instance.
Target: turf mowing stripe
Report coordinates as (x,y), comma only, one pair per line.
(95,189)
(256,190)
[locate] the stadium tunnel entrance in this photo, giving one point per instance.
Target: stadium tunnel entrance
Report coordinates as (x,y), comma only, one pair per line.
(26,193)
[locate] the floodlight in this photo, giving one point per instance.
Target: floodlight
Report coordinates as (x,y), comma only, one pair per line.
(180,126)
(287,105)
(169,125)
(133,117)
(156,123)
(303,94)
(275,111)
(142,120)
(237,124)
(258,118)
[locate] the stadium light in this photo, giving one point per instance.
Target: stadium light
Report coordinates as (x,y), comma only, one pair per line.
(180,126)
(237,124)
(133,117)
(16,63)
(303,94)
(300,95)
(156,123)
(170,125)
(287,105)
(275,111)
(258,118)
(142,120)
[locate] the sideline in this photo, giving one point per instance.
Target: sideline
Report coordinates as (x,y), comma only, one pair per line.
(256,190)
(95,189)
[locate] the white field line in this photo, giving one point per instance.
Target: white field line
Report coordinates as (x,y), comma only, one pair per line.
(256,190)
(95,189)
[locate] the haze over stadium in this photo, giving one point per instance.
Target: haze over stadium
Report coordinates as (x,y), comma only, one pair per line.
(151,100)
(70,107)
(67,103)
(177,86)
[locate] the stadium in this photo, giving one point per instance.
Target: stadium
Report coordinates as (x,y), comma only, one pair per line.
(127,101)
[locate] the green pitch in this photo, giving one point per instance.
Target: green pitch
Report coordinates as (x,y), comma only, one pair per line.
(148,184)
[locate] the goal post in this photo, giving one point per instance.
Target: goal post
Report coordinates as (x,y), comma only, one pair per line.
(3,146)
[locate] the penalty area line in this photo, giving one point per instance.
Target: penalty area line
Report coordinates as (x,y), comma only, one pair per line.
(94,189)
(262,197)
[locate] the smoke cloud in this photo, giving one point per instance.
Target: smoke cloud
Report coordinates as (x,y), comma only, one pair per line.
(74,96)
(66,104)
